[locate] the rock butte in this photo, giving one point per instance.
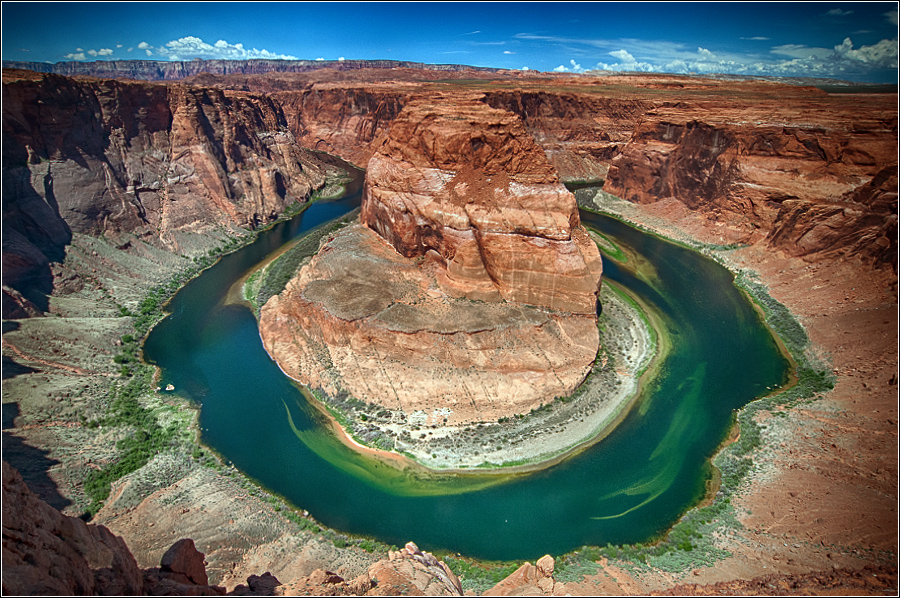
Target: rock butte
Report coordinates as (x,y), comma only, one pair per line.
(484,303)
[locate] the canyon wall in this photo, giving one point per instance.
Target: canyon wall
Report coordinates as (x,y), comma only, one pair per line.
(791,167)
(173,165)
(815,175)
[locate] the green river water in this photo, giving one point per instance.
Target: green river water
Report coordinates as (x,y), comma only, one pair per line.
(628,488)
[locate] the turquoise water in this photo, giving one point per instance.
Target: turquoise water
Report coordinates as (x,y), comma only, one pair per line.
(628,488)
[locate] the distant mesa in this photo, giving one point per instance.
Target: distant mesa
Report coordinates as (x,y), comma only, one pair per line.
(468,285)
(158,70)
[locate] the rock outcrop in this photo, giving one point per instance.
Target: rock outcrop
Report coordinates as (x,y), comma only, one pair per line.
(531,580)
(164,70)
(46,552)
(484,304)
(811,175)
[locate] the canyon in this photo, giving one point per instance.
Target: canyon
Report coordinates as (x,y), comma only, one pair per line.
(110,187)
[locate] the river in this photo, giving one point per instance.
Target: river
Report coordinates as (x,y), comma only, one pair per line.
(627,488)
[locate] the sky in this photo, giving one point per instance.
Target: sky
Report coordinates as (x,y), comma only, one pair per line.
(853,41)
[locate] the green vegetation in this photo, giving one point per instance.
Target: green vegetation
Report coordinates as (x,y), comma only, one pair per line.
(608,247)
(146,437)
(478,576)
(270,280)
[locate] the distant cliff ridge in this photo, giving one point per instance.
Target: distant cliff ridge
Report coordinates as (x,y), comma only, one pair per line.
(156,70)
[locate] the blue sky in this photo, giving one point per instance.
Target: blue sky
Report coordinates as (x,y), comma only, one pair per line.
(844,40)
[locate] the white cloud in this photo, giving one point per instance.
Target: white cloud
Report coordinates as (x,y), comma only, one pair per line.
(525,68)
(320,59)
(100,52)
(837,12)
(149,52)
(118,45)
(575,68)
(624,56)
(129,49)
(787,60)
(92,52)
(756,38)
(892,16)
(341,59)
(508,52)
(705,54)
(79,49)
(882,55)
(190,47)
(143,46)
(76,56)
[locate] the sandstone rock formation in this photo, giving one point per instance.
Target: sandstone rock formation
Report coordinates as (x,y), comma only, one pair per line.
(476,297)
(45,552)
(531,580)
(803,173)
(156,70)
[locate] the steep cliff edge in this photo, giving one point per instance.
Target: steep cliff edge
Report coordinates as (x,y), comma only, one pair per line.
(178,167)
(485,300)
(811,177)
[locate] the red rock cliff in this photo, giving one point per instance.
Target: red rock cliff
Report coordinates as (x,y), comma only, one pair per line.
(168,163)
(467,182)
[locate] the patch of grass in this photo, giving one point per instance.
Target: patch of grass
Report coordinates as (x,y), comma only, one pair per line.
(145,439)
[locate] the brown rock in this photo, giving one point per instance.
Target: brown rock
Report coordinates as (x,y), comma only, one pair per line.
(183,560)
(545,565)
(467,182)
(413,572)
(164,162)
(45,552)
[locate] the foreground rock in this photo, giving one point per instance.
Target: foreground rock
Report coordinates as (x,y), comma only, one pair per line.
(531,580)
(46,552)
(471,293)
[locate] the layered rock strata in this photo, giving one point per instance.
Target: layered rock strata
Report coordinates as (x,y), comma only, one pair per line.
(180,168)
(470,287)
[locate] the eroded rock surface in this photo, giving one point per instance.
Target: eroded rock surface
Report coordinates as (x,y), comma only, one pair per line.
(178,167)
(473,288)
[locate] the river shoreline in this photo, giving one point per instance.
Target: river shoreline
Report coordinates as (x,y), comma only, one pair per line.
(608,393)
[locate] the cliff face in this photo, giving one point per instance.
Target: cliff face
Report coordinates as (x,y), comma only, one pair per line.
(579,132)
(345,122)
(793,170)
(466,207)
(469,183)
(169,164)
